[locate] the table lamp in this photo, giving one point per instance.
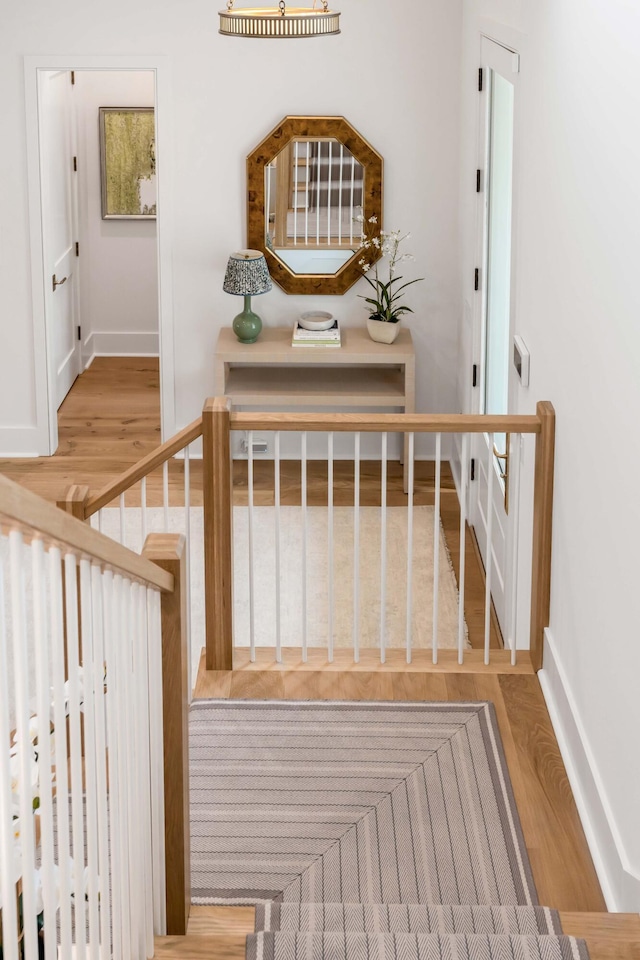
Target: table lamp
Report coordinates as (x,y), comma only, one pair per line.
(247,276)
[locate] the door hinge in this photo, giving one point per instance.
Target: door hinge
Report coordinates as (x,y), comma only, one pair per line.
(75,164)
(73,77)
(478,180)
(480,79)
(473,468)
(474,375)
(476,281)
(77,249)
(79,332)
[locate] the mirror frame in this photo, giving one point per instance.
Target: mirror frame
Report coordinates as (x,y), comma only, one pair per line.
(299,128)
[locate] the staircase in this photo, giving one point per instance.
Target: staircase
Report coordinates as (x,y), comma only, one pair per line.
(340,931)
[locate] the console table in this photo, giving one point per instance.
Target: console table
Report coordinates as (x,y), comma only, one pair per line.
(360,373)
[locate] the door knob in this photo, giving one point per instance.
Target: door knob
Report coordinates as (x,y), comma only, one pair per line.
(57,283)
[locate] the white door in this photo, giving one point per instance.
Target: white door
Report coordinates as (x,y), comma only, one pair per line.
(494,315)
(57,137)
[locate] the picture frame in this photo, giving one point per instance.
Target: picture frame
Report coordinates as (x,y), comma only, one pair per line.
(128,163)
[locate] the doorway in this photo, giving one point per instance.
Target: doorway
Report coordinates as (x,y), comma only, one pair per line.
(494,320)
(84,314)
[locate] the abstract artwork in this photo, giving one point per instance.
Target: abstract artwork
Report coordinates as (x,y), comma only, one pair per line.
(128,163)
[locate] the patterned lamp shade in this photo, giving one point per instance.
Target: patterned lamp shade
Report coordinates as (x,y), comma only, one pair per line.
(247,274)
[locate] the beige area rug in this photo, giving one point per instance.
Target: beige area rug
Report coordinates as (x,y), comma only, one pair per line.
(317,575)
(369,600)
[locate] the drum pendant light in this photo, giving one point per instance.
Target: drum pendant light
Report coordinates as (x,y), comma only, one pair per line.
(281,22)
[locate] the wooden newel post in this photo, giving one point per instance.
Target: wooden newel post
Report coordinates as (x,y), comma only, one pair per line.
(167,550)
(218,518)
(75,501)
(542,530)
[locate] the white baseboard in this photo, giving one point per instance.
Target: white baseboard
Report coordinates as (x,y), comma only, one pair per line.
(20,442)
(120,344)
(619,879)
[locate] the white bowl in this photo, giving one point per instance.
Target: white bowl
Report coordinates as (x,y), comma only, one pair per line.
(316,320)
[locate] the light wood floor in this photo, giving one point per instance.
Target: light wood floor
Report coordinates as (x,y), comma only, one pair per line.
(110,419)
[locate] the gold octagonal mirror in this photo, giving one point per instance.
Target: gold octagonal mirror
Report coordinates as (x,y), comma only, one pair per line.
(310,184)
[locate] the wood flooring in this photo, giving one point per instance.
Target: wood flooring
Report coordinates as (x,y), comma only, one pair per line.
(111,418)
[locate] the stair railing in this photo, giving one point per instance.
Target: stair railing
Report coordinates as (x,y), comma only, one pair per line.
(93,759)
(215,426)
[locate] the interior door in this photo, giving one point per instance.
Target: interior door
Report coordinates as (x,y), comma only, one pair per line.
(57,137)
(494,316)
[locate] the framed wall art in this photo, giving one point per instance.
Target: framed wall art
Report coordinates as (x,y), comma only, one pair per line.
(128,163)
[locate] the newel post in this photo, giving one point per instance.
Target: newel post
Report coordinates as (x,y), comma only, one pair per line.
(542,530)
(167,550)
(75,501)
(218,518)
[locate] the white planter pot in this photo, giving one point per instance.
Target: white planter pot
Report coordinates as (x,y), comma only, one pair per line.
(382,332)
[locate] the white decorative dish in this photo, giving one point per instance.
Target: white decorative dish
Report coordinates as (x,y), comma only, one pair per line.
(316,320)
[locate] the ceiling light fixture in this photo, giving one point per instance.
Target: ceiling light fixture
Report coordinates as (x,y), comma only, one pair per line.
(280,22)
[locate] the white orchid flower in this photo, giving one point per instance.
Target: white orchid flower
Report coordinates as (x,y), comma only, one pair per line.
(373,219)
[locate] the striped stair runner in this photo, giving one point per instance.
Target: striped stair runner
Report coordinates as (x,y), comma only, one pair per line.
(411,946)
(405,918)
(365,831)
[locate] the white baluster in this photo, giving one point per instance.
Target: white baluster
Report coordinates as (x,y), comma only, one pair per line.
(409,627)
(340,196)
(303,499)
(276,468)
(306,200)
(330,596)
(45,760)
(122,520)
(353,182)
(117,859)
(318,186)
(436,547)
(252,622)
(100,520)
(143,511)
(121,724)
(156,760)
(7,843)
(91,799)
(463,529)
(61,749)
(104,870)
(165,493)
(489,557)
(75,751)
(383,547)
(21,680)
(356,549)
(296,156)
(329,194)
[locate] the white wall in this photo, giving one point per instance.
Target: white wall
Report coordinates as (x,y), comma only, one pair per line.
(397,82)
(118,258)
(578,309)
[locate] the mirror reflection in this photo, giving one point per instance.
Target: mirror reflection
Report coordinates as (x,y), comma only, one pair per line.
(314,190)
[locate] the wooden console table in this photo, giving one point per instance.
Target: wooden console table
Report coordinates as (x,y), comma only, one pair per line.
(361,373)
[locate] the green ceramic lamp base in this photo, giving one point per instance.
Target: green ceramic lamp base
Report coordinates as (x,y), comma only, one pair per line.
(247,325)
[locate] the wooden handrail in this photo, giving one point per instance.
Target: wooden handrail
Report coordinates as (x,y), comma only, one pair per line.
(144,467)
(379,422)
(23,510)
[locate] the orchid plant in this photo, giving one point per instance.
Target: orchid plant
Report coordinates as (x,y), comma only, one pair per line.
(384,305)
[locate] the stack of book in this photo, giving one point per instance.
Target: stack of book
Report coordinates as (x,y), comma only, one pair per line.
(316,338)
